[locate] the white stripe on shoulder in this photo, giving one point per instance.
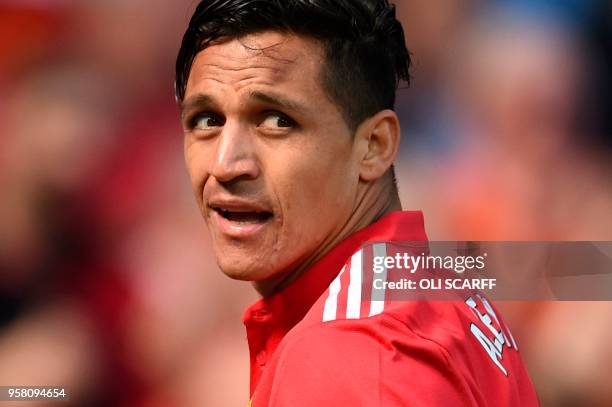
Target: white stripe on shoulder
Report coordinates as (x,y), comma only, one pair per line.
(331,303)
(353,304)
(377,301)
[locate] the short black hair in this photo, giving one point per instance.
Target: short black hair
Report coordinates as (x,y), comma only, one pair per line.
(363,42)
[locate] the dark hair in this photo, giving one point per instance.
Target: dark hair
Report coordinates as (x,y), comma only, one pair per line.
(363,42)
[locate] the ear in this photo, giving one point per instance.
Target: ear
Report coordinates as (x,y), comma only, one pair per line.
(378,138)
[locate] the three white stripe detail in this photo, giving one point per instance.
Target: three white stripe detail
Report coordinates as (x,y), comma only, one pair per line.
(353,304)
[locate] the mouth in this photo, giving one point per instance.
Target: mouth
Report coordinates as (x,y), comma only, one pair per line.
(243,217)
(237,221)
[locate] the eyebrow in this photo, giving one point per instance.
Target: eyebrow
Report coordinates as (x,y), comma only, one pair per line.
(277,100)
(195,102)
(202,100)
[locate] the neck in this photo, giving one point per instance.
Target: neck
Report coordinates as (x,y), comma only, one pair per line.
(374,201)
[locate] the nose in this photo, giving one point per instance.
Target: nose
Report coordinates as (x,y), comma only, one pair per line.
(235,156)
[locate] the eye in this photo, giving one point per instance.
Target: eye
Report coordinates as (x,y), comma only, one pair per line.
(207,121)
(277,121)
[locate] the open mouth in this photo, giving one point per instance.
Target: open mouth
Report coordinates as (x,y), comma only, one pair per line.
(244,217)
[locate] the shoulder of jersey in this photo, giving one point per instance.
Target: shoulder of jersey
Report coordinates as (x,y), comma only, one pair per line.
(350,299)
(355,295)
(358,292)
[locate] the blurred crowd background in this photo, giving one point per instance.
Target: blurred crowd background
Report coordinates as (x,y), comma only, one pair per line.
(107,281)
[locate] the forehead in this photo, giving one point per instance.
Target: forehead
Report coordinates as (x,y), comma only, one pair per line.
(266,59)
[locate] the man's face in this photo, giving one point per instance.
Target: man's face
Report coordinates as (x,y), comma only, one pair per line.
(271,160)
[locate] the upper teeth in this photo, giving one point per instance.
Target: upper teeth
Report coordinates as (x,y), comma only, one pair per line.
(238,210)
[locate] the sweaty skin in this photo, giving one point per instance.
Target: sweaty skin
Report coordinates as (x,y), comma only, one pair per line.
(278,175)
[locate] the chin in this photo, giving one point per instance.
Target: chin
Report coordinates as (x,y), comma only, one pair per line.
(243,271)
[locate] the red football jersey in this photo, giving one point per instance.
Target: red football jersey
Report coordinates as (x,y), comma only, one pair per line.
(326,340)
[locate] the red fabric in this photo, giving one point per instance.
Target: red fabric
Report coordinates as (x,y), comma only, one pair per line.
(409,353)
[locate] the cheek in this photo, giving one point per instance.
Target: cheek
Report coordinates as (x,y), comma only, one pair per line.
(319,188)
(196,158)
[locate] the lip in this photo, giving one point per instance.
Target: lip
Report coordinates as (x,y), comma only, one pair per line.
(235,229)
(238,205)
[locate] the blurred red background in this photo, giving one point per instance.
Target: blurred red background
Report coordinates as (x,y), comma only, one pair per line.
(107,282)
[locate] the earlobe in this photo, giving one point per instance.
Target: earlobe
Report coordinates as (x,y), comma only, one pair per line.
(380,135)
